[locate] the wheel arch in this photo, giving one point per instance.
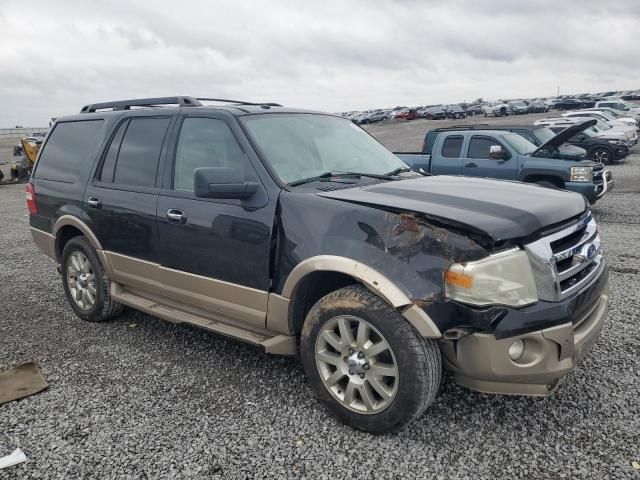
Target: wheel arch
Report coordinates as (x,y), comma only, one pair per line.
(317,276)
(537,177)
(67,227)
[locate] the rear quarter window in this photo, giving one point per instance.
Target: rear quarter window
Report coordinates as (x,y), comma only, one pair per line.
(67,149)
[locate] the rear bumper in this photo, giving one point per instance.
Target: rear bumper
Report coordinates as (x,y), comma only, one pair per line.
(481,362)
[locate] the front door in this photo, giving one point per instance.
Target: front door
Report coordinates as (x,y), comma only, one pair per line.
(479,164)
(214,252)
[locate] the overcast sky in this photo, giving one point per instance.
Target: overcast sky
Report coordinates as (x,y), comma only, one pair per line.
(330,55)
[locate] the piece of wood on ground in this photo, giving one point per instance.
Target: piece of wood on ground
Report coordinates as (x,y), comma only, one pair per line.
(20,382)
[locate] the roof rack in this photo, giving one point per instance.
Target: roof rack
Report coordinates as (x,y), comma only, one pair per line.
(183,101)
(240,102)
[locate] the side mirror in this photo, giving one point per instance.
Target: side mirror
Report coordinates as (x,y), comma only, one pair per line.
(497,153)
(222,182)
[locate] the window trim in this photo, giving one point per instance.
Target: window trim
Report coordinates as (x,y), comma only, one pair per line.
(165,187)
(461,137)
(105,149)
(46,141)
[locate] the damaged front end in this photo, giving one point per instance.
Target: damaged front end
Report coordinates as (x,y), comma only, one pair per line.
(498,334)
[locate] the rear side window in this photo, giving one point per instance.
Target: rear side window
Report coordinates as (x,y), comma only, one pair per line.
(67,150)
(135,150)
(452,146)
(430,139)
(479,147)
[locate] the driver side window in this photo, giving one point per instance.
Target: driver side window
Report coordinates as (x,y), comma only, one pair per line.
(204,142)
(479,147)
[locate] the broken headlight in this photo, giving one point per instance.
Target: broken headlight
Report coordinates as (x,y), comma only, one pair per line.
(504,278)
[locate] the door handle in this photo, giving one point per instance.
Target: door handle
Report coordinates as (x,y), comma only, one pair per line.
(471,165)
(94,202)
(176,215)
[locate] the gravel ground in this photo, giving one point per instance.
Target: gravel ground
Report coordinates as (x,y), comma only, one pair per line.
(142,398)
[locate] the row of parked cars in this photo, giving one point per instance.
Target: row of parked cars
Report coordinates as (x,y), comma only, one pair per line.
(621,100)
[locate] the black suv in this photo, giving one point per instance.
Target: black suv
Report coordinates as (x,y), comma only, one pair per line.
(298,232)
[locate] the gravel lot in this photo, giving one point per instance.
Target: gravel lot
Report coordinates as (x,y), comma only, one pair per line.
(142,398)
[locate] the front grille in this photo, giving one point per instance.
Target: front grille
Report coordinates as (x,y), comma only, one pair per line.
(566,260)
(597,173)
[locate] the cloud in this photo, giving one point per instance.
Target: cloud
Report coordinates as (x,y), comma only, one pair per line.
(330,55)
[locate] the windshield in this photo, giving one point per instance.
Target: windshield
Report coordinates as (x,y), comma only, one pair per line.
(519,144)
(602,126)
(543,135)
(299,146)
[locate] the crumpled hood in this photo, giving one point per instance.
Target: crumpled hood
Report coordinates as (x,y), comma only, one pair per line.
(501,210)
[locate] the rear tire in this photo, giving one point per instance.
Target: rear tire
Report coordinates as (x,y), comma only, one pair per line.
(85,282)
(375,392)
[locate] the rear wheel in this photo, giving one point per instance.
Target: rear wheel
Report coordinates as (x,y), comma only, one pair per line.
(367,364)
(86,283)
(603,155)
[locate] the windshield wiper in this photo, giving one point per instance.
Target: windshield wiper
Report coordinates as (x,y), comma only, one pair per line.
(328,175)
(398,171)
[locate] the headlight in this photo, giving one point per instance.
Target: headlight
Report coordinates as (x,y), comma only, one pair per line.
(501,279)
(616,142)
(581,174)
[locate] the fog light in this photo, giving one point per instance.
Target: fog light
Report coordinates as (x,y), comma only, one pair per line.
(516,350)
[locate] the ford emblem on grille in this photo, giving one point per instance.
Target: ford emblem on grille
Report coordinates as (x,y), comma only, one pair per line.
(591,251)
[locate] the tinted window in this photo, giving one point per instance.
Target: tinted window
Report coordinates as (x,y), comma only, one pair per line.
(204,142)
(67,149)
(452,146)
(108,167)
(479,147)
(137,161)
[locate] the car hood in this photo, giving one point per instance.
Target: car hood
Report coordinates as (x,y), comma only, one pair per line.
(501,210)
(563,136)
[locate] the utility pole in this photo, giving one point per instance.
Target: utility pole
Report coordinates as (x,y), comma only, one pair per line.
(558,91)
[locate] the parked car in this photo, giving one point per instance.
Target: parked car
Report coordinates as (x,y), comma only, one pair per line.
(518,107)
(375,116)
(571,104)
(407,114)
(435,113)
(472,153)
(607,119)
(538,106)
(474,110)
(298,232)
(601,130)
(622,106)
(630,119)
(454,112)
(495,109)
(598,149)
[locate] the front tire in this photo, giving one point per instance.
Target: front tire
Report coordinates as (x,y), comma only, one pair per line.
(603,155)
(367,364)
(85,282)
(546,184)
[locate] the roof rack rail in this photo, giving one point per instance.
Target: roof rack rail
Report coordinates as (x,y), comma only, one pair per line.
(183,101)
(240,102)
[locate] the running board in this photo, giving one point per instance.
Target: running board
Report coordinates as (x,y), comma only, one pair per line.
(274,344)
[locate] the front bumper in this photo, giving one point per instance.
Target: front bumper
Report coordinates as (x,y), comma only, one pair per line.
(481,361)
(593,191)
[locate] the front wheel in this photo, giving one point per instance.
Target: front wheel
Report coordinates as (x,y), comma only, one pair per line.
(367,364)
(602,155)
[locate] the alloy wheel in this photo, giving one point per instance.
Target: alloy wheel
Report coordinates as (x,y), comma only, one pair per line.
(601,156)
(356,364)
(81,280)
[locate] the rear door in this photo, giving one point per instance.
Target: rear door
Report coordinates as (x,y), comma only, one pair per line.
(479,164)
(446,158)
(121,199)
(214,252)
